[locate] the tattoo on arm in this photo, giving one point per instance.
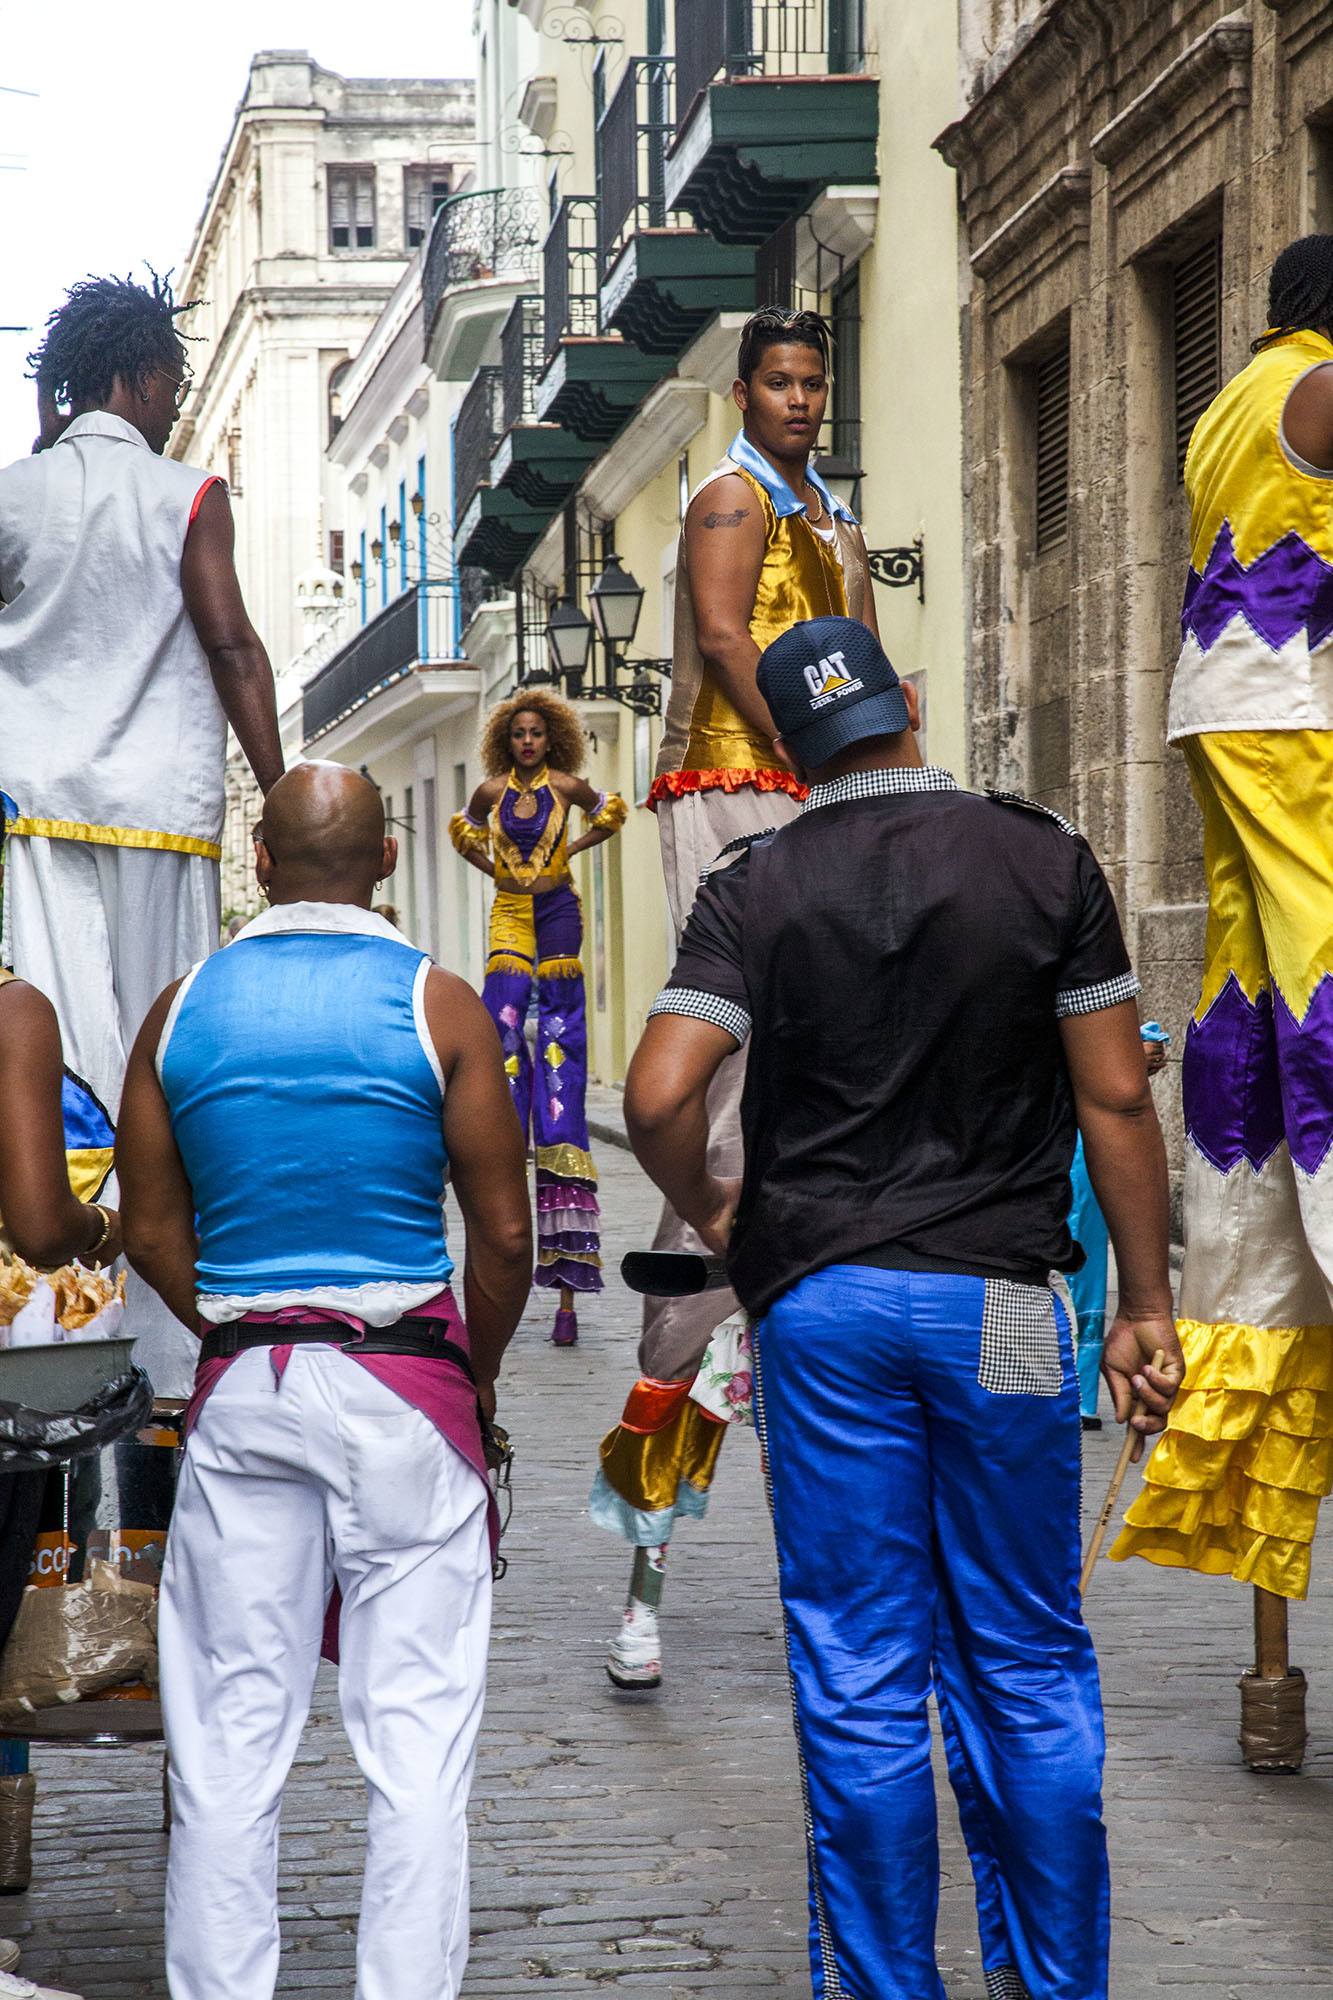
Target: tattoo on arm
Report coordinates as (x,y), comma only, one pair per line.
(726,520)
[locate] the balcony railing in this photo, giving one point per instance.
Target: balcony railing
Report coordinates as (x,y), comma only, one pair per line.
(496,233)
(476,434)
(632,137)
(728,38)
(521,359)
(569,272)
(475,588)
(421,625)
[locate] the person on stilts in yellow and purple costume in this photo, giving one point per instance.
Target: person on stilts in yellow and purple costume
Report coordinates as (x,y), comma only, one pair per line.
(1234,1487)
(516,830)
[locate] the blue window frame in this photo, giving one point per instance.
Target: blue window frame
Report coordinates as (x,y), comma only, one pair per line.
(402,534)
(384,557)
(365,579)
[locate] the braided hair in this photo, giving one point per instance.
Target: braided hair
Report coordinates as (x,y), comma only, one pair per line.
(107,328)
(779,326)
(1300,290)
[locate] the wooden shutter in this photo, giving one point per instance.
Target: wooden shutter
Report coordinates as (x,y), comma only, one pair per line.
(1052,510)
(1196,287)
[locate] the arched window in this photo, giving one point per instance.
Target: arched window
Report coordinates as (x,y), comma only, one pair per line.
(335,399)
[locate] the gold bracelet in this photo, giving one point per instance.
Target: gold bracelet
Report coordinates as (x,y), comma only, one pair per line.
(86,1256)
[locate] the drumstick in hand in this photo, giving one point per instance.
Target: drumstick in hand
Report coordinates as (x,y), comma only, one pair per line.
(1113,1490)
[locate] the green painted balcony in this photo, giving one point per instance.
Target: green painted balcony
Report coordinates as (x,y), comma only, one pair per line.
(773,104)
(660,278)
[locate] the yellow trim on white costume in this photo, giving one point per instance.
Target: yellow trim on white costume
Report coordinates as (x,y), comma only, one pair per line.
(113,836)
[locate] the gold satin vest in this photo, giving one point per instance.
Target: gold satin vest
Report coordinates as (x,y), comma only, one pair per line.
(706,742)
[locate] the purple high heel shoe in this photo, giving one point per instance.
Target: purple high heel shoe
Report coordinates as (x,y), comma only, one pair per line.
(565,1332)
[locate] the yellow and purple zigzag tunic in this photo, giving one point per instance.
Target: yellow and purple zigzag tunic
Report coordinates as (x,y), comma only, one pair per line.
(1234,1486)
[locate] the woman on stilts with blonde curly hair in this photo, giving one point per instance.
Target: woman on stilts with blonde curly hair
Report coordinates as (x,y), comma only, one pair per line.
(516,830)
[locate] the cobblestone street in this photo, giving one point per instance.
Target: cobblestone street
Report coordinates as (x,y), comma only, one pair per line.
(650,1845)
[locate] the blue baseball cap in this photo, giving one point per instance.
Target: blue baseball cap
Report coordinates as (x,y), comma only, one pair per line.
(829,683)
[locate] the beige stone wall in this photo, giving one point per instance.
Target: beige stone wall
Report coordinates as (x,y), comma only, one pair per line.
(1098,143)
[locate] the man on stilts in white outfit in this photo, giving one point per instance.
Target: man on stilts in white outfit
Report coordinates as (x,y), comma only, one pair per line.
(290,1112)
(125,651)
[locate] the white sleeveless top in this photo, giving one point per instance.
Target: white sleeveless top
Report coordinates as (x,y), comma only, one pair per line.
(110,729)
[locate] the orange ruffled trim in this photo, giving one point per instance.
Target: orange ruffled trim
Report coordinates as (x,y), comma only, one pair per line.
(1234,1485)
(679,784)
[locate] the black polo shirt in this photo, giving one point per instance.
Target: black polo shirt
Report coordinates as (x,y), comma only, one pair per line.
(903,952)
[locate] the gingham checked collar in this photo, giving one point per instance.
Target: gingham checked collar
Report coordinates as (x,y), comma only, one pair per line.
(880,785)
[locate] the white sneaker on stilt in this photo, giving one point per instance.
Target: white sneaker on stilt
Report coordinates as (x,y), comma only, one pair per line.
(635,1658)
(13,1987)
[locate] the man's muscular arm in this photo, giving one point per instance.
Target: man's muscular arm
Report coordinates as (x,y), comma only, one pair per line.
(236,657)
(156,1202)
(488,1176)
(724,553)
(1307,420)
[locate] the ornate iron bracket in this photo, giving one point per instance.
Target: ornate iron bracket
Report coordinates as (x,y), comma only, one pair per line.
(901,568)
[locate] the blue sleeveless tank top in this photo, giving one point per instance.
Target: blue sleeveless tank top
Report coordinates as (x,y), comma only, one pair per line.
(308,1115)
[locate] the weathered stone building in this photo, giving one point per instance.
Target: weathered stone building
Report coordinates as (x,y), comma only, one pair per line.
(1127,171)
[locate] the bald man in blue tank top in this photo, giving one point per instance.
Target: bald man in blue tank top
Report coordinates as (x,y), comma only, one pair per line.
(291,1111)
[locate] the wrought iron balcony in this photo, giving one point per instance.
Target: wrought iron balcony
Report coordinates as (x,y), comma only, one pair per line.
(538,463)
(476,434)
(771,105)
(417,628)
(522,354)
(569,272)
(661,279)
(480,244)
(593,379)
(730,38)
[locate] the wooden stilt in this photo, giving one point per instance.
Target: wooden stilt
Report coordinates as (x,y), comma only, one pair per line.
(1272,1694)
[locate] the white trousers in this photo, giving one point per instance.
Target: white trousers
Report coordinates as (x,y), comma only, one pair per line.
(100,931)
(284,1488)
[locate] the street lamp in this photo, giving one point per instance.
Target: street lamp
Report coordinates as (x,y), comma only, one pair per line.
(417,503)
(355,568)
(569,642)
(395,532)
(615,601)
(376,549)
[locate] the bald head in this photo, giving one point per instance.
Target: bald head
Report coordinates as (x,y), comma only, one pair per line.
(322,837)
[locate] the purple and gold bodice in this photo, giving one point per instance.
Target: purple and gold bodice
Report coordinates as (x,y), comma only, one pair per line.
(532,848)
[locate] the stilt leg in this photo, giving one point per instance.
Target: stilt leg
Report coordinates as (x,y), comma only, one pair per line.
(635,1659)
(1272,1694)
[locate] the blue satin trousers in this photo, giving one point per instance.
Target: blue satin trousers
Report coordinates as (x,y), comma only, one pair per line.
(928,1535)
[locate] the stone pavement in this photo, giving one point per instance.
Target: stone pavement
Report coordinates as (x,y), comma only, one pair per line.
(650,1845)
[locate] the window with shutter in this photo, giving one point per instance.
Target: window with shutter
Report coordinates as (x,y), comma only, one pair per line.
(336,549)
(1196,302)
(424,189)
(235,465)
(1052,468)
(351,208)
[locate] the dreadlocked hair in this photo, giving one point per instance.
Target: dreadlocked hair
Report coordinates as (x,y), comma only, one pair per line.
(107,328)
(778,326)
(1300,291)
(564,733)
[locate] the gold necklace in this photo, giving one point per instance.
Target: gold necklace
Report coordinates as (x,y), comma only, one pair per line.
(525,805)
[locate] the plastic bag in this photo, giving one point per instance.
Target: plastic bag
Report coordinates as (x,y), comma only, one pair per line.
(76,1641)
(33,1440)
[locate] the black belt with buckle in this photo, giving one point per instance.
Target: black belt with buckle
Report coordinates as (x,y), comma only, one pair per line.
(425,1337)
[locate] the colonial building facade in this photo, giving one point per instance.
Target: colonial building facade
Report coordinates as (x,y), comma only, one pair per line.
(1127,171)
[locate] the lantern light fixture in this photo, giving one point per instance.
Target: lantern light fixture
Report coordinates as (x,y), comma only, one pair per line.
(376,549)
(615,600)
(569,637)
(418,504)
(395,532)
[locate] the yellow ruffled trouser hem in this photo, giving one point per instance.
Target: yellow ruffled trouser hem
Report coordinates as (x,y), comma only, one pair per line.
(648,1471)
(1233,1486)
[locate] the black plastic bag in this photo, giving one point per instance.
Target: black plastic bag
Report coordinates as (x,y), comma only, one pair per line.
(34,1440)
